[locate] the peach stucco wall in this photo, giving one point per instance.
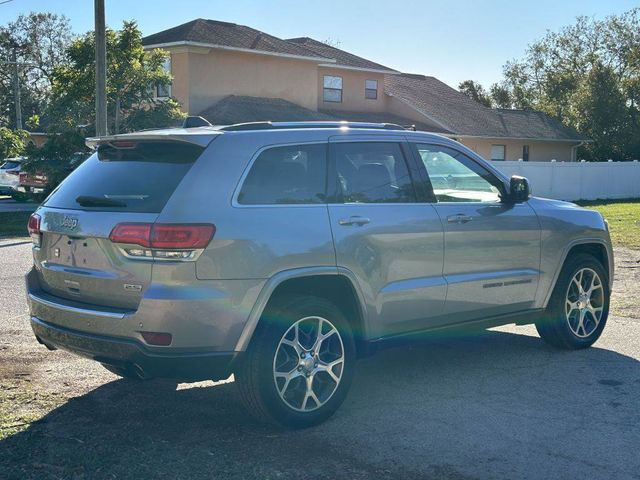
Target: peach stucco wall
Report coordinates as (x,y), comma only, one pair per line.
(538,151)
(204,76)
(353,82)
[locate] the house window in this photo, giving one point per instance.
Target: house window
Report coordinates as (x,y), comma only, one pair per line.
(332,91)
(164,91)
(498,152)
(525,153)
(371,89)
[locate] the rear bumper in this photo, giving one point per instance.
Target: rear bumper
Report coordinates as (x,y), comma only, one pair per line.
(192,365)
(201,316)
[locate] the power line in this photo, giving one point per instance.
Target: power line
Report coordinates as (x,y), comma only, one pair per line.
(5,1)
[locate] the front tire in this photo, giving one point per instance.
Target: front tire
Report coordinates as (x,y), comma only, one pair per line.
(579,306)
(299,366)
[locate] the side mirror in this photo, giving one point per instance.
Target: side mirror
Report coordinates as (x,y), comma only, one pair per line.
(519,190)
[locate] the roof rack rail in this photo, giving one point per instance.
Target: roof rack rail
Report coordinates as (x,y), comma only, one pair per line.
(323,124)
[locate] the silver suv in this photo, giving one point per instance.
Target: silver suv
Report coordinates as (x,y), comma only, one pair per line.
(282,252)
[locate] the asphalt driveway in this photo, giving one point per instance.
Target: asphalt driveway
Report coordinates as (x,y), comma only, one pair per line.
(487,404)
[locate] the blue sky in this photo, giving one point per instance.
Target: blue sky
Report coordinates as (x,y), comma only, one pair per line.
(450,40)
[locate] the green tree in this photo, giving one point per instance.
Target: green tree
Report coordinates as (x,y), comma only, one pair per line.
(500,96)
(39,41)
(132,73)
(475,91)
(12,142)
(588,76)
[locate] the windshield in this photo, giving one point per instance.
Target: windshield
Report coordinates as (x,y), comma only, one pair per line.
(137,177)
(9,164)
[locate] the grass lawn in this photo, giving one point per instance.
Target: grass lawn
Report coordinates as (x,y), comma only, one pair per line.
(623,218)
(14,224)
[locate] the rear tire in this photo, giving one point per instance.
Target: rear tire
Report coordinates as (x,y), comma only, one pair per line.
(299,366)
(579,306)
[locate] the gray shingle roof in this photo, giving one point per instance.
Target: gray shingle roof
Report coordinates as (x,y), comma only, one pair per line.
(240,109)
(461,115)
(342,58)
(227,35)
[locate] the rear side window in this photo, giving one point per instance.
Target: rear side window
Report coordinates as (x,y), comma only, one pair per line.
(287,175)
(372,173)
(132,177)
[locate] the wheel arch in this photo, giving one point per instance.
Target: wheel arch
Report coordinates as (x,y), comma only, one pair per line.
(596,247)
(334,284)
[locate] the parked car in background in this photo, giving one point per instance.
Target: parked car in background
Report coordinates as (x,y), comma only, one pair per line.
(10,175)
(282,252)
(32,182)
(38,182)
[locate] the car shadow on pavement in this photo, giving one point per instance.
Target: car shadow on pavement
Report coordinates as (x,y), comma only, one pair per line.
(461,405)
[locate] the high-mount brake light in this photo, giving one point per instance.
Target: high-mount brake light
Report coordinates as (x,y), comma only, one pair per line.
(123,144)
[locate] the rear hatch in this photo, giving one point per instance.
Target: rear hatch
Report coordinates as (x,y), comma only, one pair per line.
(123,182)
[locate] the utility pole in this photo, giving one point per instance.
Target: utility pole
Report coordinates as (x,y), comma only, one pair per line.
(15,69)
(16,87)
(101,69)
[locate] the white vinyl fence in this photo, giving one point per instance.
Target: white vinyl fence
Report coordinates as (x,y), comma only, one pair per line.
(578,180)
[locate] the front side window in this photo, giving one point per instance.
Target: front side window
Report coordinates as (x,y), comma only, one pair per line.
(286,175)
(498,152)
(456,178)
(372,173)
(371,89)
(332,89)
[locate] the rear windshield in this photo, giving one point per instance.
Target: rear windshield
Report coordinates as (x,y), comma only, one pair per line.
(8,165)
(136,177)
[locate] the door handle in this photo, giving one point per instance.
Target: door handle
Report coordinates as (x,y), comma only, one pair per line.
(354,221)
(459,218)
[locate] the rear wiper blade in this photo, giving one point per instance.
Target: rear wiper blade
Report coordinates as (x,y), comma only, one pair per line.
(89,201)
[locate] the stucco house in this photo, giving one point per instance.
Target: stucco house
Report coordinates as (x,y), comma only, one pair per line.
(231,73)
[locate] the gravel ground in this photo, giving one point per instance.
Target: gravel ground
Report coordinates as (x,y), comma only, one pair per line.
(490,404)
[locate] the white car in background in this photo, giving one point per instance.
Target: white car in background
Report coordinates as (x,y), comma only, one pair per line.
(10,174)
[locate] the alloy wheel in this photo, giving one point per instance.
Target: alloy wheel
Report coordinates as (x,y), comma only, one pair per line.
(584,302)
(308,363)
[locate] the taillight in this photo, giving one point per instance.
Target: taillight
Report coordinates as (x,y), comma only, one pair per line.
(166,241)
(136,233)
(33,226)
(181,236)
